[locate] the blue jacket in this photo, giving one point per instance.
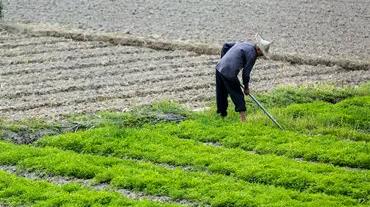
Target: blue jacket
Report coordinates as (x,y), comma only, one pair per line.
(234,57)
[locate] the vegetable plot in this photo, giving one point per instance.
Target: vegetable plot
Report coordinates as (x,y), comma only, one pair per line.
(203,160)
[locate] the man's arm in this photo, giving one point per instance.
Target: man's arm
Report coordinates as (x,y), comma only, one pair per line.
(226,48)
(250,60)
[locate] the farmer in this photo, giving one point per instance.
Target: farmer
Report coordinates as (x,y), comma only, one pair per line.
(235,56)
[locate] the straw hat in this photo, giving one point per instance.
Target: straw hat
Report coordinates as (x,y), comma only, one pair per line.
(264,45)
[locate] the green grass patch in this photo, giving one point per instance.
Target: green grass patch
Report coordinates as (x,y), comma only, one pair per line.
(217,190)
(352,113)
(29,130)
(165,111)
(285,96)
(17,191)
(154,143)
(254,164)
(255,136)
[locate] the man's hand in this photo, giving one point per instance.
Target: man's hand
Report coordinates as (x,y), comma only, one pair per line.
(246,91)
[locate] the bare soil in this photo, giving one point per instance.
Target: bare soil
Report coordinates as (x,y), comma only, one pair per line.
(327,28)
(48,77)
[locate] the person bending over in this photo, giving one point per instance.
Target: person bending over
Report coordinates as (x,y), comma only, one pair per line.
(235,57)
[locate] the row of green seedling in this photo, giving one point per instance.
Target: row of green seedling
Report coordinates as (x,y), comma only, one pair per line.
(154,145)
(346,120)
(201,187)
(352,113)
(18,191)
(269,140)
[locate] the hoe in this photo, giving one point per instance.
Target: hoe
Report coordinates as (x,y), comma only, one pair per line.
(264,110)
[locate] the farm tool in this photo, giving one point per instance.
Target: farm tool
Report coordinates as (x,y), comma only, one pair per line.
(264,110)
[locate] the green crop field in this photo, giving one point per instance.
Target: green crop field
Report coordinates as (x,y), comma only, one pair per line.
(142,158)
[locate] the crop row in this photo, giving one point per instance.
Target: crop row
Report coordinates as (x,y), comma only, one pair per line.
(289,71)
(345,78)
(17,191)
(217,190)
(29,42)
(155,145)
(29,39)
(263,139)
(300,118)
(144,95)
(48,80)
(95,94)
(48,88)
(197,96)
(89,62)
(99,82)
(55,56)
(41,49)
(350,113)
(91,185)
(9,37)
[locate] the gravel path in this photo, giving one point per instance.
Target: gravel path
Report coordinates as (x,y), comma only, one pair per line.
(327,28)
(48,77)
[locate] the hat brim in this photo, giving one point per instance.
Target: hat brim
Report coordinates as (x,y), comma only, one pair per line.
(265,53)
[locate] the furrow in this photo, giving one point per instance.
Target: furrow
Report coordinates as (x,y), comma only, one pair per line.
(294,70)
(342,78)
(200,48)
(98,81)
(87,62)
(24,81)
(264,65)
(188,95)
(58,47)
(257,85)
(16,44)
(126,90)
(6,38)
(18,38)
(73,55)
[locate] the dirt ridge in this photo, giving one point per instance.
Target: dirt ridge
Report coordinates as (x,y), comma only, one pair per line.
(200,48)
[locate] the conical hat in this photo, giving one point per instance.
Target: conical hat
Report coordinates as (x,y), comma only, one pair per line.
(264,45)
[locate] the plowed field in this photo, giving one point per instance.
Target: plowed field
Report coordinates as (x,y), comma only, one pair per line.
(48,76)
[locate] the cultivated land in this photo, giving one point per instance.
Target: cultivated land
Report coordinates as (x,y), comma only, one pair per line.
(45,77)
(326,28)
(80,124)
(321,159)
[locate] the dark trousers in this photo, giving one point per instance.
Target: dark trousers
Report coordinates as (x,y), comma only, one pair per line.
(224,87)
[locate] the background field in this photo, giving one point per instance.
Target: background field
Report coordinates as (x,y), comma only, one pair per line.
(92,118)
(325,28)
(49,77)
